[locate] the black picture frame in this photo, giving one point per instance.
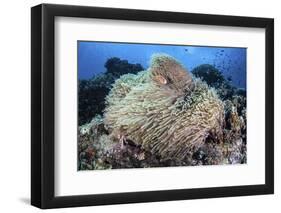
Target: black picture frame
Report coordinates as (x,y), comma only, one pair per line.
(43,102)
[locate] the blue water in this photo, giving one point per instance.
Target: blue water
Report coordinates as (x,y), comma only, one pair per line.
(230,61)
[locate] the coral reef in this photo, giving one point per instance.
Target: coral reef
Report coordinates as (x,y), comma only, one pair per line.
(97,151)
(235,111)
(164,116)
(117,67)
(208,73)
(214,78)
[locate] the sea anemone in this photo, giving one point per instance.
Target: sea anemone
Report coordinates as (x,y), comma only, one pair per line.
(164,109)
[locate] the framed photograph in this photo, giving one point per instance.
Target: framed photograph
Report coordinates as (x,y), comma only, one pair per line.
(139,106)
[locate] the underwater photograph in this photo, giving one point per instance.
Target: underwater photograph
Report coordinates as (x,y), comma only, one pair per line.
(160,105)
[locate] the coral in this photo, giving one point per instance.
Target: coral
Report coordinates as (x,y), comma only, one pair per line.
(94,145)
(236,152)
(96,150)
(214,78)
(208,73)
(167,112)
(118,67)
(92,92)
(235,115)
(91,99)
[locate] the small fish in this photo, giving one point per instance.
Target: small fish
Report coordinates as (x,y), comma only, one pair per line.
(161,79)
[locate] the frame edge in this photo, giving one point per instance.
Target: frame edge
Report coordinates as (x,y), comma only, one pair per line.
(36,85)
(269,106)
(42,111)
